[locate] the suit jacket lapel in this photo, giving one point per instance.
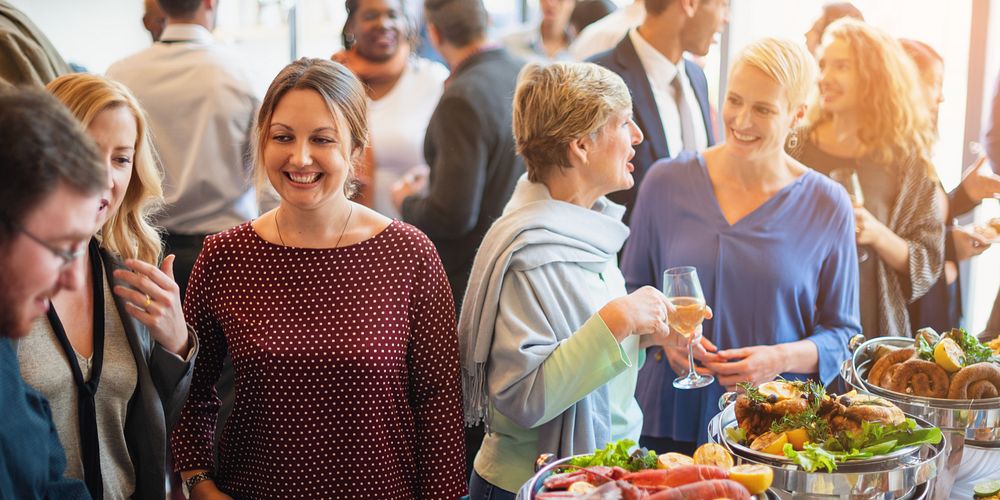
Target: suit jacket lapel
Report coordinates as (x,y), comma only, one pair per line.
(700,86)
(647,115)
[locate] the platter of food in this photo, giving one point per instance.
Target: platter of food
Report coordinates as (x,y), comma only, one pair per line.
(952,380)
(818,444)
(621,470)
(954,366)
(798,423)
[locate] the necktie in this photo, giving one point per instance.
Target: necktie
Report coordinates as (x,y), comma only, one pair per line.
(687,123)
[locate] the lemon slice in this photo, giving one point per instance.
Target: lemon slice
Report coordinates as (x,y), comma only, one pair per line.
(755,477)
(948,355)
(771,443)
(672,459)
(782,390)
(713,454)
(798,437)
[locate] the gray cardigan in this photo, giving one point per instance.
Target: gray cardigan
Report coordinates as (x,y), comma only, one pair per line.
(164,380)
(162,386)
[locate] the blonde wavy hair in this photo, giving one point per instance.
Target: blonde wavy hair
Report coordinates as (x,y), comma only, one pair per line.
(555,104)
(128,233)
(895,124)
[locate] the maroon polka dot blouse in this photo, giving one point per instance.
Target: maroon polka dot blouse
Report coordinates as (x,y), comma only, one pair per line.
(346,369)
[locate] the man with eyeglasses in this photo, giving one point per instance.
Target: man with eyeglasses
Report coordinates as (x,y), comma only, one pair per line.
(49,201)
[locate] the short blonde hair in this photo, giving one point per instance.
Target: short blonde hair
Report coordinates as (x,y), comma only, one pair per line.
(128,233)
(895,122)
(557,103)
(786,62)
(345,100)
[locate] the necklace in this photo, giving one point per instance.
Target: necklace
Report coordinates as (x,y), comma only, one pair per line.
(342,231)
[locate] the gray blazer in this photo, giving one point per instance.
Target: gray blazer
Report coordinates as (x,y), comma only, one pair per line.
(162,386)
(162,389)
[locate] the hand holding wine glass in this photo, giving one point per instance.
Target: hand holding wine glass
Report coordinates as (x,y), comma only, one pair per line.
(682,288)
(848,177)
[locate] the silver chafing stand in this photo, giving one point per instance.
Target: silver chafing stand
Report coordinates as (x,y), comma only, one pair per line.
(971,427)
(908,475)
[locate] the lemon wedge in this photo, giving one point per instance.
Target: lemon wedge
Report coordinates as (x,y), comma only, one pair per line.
(713,454)
(948,355)
(755,477)
(673,459)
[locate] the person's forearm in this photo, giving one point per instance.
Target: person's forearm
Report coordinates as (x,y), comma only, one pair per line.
(800,356)
(893,250)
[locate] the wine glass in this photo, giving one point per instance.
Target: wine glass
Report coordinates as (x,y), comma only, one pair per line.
(848,177)
(683,290)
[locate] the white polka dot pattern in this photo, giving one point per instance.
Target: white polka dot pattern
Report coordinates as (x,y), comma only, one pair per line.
(346,369)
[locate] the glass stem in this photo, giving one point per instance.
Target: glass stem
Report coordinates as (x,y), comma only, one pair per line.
(692,374)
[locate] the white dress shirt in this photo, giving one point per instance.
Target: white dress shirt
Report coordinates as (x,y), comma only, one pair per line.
(526,42)
(661,73)
(606,32)
(201,106)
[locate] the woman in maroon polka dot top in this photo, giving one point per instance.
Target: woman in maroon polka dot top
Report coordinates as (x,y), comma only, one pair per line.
(340,324)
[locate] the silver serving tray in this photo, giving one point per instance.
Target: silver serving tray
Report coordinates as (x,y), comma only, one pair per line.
(782,460)
(892,478)
(546,468)
(977,419)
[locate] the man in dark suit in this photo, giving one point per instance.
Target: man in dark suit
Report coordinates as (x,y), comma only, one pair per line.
(469,144)
(669,93)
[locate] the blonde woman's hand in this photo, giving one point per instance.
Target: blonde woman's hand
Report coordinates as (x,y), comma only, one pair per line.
(756,364)
(642,312)
(153,298)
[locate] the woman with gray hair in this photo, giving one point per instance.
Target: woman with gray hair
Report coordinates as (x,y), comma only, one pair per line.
(550,342)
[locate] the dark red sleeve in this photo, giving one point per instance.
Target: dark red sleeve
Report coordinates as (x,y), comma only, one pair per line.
(191,441)
(435,384)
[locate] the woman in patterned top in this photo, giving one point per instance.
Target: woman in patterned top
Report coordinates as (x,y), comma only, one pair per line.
(339,322)
(871,117)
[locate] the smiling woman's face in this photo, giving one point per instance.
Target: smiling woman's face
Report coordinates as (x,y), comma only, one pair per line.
(756,114)
(378,26)
(307,150)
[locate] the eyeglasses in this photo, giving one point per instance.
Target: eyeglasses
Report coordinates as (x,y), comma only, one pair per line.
(67,256)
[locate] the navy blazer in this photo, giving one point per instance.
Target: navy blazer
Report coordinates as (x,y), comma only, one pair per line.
(625,61)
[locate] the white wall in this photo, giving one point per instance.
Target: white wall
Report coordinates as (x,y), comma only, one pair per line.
(92,33)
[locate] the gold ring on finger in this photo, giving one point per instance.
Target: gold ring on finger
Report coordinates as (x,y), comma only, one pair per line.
(149,300)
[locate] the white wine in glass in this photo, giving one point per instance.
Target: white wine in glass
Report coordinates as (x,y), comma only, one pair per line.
(848,177)
(682,288)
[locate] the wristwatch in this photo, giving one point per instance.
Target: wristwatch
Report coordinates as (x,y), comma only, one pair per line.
(193,481)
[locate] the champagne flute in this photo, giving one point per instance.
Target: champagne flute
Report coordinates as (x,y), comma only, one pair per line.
(848,177)
(683,290)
